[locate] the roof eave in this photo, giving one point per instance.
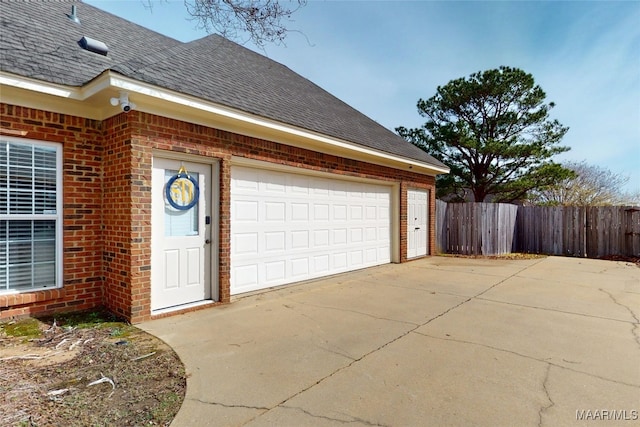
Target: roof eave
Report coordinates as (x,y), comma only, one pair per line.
(92,101)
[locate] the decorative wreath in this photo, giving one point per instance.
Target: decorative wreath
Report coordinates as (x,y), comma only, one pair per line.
(182,174)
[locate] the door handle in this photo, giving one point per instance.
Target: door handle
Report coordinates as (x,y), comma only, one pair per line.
(208,241)
(417,228)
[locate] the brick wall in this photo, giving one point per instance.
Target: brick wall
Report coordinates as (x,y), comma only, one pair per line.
(81,141)
(117,215)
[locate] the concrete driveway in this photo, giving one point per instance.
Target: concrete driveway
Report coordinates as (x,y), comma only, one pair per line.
(438,341)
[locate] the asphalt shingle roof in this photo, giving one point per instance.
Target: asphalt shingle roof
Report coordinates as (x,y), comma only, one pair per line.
(38,40)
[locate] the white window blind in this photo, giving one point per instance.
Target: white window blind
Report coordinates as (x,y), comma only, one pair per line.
(30,215)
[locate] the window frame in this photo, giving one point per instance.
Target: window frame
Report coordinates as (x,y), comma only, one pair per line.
(57,217)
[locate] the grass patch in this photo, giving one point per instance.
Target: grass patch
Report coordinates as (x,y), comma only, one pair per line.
(83,319)
(25,328)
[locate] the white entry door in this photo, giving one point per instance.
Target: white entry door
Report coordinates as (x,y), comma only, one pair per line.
(181,233)
(417,226)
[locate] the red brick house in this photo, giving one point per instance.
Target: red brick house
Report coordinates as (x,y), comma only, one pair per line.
(152,177)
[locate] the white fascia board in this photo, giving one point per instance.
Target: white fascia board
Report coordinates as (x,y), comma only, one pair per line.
(39,86)
(71,92)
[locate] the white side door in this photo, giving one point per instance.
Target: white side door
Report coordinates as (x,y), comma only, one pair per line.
(417,226)
(181,234)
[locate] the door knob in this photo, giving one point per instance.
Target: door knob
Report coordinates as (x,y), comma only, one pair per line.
(417,228)
(207,241)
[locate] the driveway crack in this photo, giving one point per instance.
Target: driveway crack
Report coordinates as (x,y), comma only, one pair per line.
(533,358)
(226,405)
(327,307)
(507,278)
(546,392)
(341,421)
(635,324)
(555,310)
(336,352)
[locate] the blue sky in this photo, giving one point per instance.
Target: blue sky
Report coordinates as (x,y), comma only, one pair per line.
(382,56)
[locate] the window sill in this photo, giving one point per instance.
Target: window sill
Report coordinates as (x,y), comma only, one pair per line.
(11,300)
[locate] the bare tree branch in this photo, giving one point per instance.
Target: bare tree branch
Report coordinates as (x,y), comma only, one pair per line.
(262,21)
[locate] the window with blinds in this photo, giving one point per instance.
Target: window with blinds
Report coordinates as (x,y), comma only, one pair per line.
(30,215)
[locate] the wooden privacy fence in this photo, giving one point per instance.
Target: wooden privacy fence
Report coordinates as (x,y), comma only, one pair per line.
(496,229)
(554,230)
(475,228)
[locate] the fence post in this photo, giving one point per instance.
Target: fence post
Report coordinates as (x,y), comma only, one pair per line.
(441,214)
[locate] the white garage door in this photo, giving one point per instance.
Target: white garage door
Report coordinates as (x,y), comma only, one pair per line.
(287,227)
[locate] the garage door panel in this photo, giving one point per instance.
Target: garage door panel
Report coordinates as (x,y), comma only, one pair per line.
(340,261)
(321,212)
(245,243)
(299,211)
(321,237)
(287,227)
(274,184)
(383,213)
(245,211)
(275,271)
(355,193)
(339,212)
(321,189)
(300,184)
(338,194)
(340,236)
(371,255)
(274,241)
(300,239)
(356,213)
(300,267)
(356,258)
(371,212)
(246,276)
(321,263)
(245,179)
(274,211)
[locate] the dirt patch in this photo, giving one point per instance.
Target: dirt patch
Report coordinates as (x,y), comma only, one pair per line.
(516,255)
(629,259)
(74,372)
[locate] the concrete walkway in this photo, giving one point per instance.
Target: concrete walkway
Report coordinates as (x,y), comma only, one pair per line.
(438,341)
